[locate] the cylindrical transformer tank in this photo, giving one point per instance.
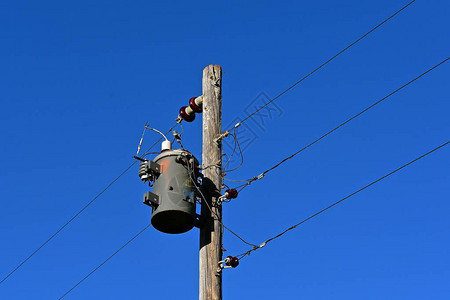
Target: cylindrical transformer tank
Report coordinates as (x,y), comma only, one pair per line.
(175,212)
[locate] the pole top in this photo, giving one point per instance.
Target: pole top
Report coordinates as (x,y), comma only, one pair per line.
(216,67)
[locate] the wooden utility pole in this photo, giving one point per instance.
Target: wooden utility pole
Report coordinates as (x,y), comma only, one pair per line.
(211,230)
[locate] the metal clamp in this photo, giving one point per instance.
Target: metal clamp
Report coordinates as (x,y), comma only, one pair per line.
(148,170)
(151,199)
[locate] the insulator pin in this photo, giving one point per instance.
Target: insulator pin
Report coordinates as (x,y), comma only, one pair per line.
(231,193)
(232,261)
(187,114)
(196,106)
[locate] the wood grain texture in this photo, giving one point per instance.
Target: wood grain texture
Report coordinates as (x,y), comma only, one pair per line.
(211,231)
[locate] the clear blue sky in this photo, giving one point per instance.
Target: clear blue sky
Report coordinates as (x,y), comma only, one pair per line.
(80,78)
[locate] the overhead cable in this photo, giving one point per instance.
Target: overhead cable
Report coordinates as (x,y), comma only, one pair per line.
(78,213)
(240,256)
(263,174)
(105,261)
(322,65)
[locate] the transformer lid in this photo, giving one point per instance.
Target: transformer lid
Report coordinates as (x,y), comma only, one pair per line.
(174,152)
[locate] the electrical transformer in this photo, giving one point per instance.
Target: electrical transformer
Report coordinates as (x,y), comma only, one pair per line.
(173,175)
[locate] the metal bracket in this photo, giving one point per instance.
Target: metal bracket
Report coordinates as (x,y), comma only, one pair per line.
(148,170)
(151,199)
(189,200)
(154,167)
(199,221)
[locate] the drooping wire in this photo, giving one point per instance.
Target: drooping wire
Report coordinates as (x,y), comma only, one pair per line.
(193,180)
(240,256)
(105,261)
(161,138)
(324,64)
(263,174)
(220,219)
(232,153)
(78,213)
(241,155)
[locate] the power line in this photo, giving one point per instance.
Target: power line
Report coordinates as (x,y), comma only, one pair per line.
(67,223)
(78,213)
(105,261)
(323,64)
(263,174)
(341,200)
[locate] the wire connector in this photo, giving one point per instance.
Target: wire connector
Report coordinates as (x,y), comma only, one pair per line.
(177,137)
(260,176)
(255,247)
(142,139)
(221,136)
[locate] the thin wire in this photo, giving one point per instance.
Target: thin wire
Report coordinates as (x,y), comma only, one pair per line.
(157,131)
(241,154)
(67,223)
(159,140)
(180,135)
(221,222)
(77,214)
(341,200)
(325,63)
(211,210)
(182,128)
(105,261)
(149,153)
(236,180)
(142,139)
(232,153)
(219,219)
(249,181)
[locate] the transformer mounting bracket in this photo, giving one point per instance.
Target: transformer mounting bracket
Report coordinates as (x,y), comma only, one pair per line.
(151,199)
